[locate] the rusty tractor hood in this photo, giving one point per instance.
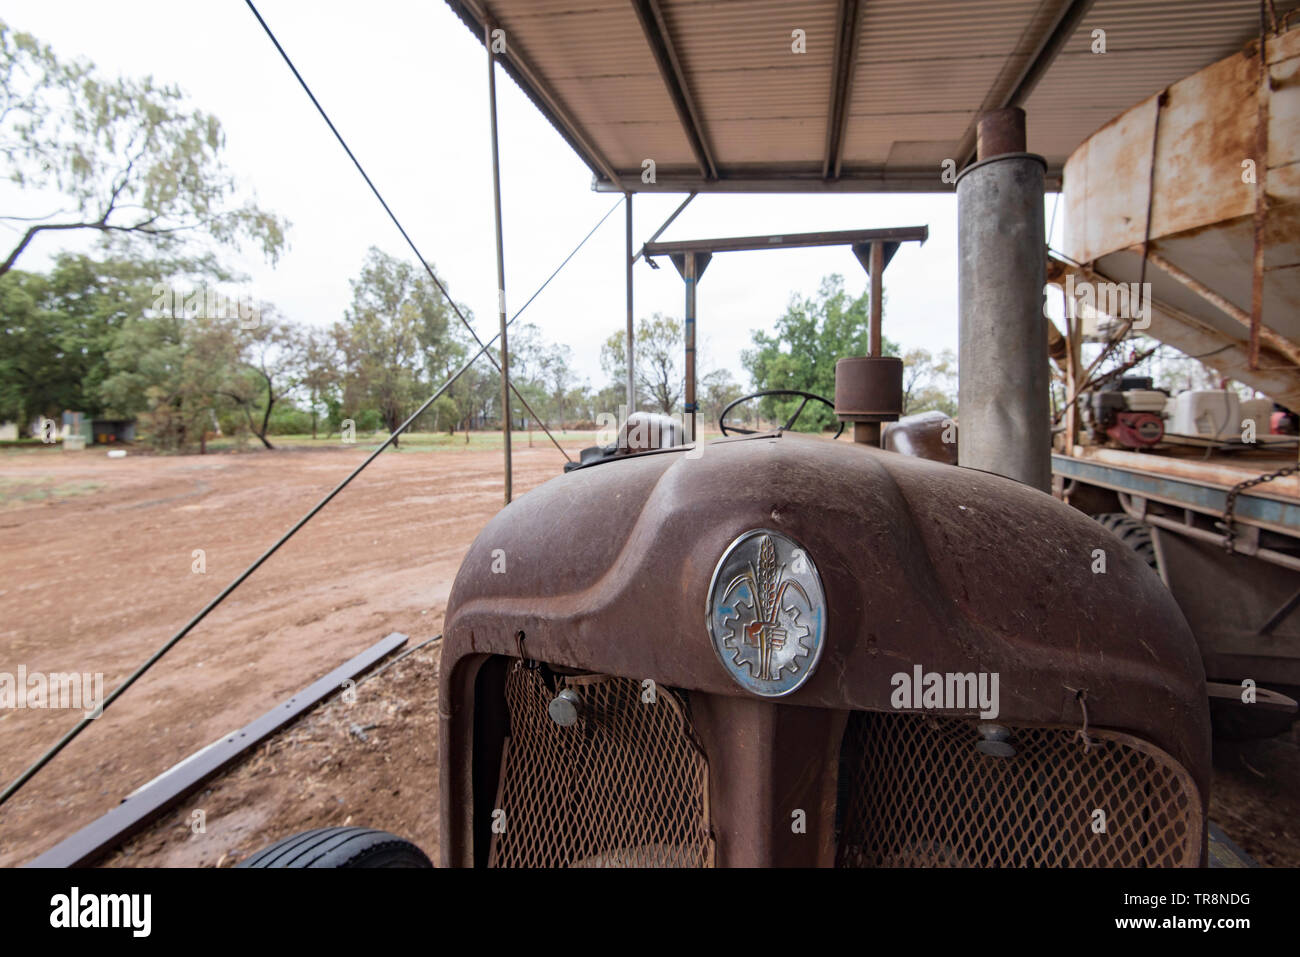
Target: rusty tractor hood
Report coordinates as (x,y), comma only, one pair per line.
(607,569)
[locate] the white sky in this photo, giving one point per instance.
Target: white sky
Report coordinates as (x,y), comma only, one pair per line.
(405,83)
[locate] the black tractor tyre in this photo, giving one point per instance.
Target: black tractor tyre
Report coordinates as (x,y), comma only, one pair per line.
(340,847)
(1132,533)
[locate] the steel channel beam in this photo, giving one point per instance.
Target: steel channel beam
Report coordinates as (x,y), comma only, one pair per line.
(801,180)
(1049,47)
(1267,513)
(476,16)
(846,35)
(842,237)
(164,791)
(655,28)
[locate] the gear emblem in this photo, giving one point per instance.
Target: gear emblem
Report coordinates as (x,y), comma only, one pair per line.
(766,613)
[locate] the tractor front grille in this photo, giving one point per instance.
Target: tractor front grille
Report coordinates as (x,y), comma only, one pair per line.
(625,786)
(915,792)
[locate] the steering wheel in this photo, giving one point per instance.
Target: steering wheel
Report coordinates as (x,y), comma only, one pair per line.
(722,418)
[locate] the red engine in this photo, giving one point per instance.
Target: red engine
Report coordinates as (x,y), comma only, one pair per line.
(1128,412)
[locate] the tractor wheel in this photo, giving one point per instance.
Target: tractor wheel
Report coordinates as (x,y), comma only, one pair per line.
(340,847)
(1132,533)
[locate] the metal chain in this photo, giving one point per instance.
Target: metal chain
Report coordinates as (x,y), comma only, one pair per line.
(1229,515)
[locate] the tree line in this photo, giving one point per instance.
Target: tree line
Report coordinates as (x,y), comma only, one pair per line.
(140,338)
(147,329)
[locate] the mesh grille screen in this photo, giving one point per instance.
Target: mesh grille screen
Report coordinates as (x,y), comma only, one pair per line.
(915,792)
(626,786)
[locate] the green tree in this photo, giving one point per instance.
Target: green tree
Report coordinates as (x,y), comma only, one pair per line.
(270,353)
(659,358)
(929,382)
(129,158)
(56,330)
(477,394)
(445,414)
(32,381)
(717,390)
(556,379)
(394,338)
(541,372)
(176,374)
(317,371)
(812,335)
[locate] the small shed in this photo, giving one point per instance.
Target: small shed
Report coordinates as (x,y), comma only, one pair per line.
(112,431)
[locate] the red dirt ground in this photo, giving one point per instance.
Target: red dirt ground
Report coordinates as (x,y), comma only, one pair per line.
(97,573)
(96,581)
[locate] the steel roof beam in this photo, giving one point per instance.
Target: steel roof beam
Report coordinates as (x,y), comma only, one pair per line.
(477,16)
(846,42)
(777,181)
(842,237)
(1049,47)
(655,28)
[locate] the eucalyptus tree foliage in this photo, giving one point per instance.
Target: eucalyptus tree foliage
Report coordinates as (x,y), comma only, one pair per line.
(659,359)
(801,351)
(128,158)
(395,338)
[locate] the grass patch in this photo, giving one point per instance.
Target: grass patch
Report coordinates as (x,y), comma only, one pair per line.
(410,442)
(17,492)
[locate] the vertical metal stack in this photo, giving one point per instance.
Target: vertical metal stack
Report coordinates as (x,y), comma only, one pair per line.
(1002,336)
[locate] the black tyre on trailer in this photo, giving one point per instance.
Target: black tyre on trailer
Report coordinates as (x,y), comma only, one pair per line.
(340,847)
(1132,533)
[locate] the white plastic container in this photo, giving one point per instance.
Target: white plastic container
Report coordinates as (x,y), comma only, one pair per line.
(1207,414)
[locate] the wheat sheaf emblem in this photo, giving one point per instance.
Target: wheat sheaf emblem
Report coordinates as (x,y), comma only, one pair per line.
(766,636)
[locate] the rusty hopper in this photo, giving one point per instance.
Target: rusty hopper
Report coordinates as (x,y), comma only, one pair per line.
(1202,178)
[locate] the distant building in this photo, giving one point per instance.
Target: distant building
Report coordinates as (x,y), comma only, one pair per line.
(112,431)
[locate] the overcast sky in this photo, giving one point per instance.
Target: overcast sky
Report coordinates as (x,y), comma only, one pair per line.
(405,83)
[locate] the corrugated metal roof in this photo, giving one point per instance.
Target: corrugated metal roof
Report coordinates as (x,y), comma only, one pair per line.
(705,85)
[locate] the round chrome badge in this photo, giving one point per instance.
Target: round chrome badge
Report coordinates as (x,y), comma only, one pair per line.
(767,613)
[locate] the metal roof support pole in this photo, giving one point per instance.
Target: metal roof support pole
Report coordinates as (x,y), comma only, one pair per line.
(631,367)
(877,296)
(691,276)
(691,264)
(1002,387)
(501,257)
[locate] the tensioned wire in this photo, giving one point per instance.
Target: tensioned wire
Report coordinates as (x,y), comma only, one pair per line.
(167,646)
